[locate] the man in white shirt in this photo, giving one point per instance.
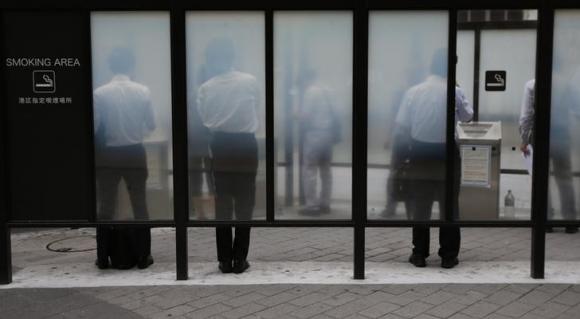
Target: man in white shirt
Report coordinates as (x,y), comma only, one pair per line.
(228,106)
(422,117)
(123,116)
(560,140)
(320,129)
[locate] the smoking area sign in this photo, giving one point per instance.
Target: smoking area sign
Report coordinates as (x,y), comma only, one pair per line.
(45,64)
(495,80)
(43,81)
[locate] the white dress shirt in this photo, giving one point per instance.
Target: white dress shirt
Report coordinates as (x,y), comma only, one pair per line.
(424,110)
(124,108)
(229,103)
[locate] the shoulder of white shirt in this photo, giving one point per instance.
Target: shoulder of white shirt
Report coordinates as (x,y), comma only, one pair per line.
(125,80)
(232,75)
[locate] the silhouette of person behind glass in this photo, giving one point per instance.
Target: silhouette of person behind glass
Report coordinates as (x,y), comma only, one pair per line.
(320,128)
(123,117)
(228,107)
(560,141)
(422,117)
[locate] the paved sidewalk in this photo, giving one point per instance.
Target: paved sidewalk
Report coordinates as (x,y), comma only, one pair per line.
(500,301)
(323,250)
(301,244)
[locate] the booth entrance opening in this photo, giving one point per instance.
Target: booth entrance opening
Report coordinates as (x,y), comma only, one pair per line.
(496,52)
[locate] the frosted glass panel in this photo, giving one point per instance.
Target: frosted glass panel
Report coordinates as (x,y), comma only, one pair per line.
(313,109)
(407,109)
(465,61)
(132,110)
(504,106)
(226,113)
(565,119)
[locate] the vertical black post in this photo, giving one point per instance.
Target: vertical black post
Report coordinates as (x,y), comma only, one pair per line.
(476,62)
(359,138)
(179,122)
(270,147)
(5,247)
(540,178)
(5,254)
(91,163)
(450,157)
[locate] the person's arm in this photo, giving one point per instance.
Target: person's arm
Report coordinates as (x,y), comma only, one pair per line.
(313,99)
(201,100)
(308,103)
(463,109)
(573,93)
(97,110)
(257,96)
(526,120)
(402,131)
(149,114)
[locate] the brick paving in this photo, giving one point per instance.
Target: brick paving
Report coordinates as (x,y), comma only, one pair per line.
(306,244)
(422,301)
(297,301)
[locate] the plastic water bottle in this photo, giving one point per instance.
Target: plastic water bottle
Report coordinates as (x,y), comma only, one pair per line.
(509,205)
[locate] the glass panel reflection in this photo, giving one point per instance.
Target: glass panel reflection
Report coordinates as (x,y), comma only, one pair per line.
(465,61)
(565,118)
(407,114)
(313,109)
(226,130)
(132,113)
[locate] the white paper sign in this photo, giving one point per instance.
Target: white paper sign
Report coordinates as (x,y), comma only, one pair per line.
(475,165)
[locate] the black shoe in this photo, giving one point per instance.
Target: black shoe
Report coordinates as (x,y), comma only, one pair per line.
(549,229)
(418,261)
(145,262)
(225,267)
(102,263)
(449,262)
(571,230)
(240,266)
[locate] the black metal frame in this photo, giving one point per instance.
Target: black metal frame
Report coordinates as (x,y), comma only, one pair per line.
(358,221)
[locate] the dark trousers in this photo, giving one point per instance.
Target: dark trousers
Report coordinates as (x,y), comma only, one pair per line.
(130,164)
(428,172)
(235,164)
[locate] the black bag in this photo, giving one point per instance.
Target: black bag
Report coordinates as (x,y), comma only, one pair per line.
(399,183)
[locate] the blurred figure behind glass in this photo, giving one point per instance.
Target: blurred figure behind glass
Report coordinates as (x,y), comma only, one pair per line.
(123,117)
(421,118)
(320,129)
(228,106)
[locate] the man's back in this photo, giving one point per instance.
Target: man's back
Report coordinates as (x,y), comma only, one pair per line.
(124,109)
(229,102)
(424,110)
